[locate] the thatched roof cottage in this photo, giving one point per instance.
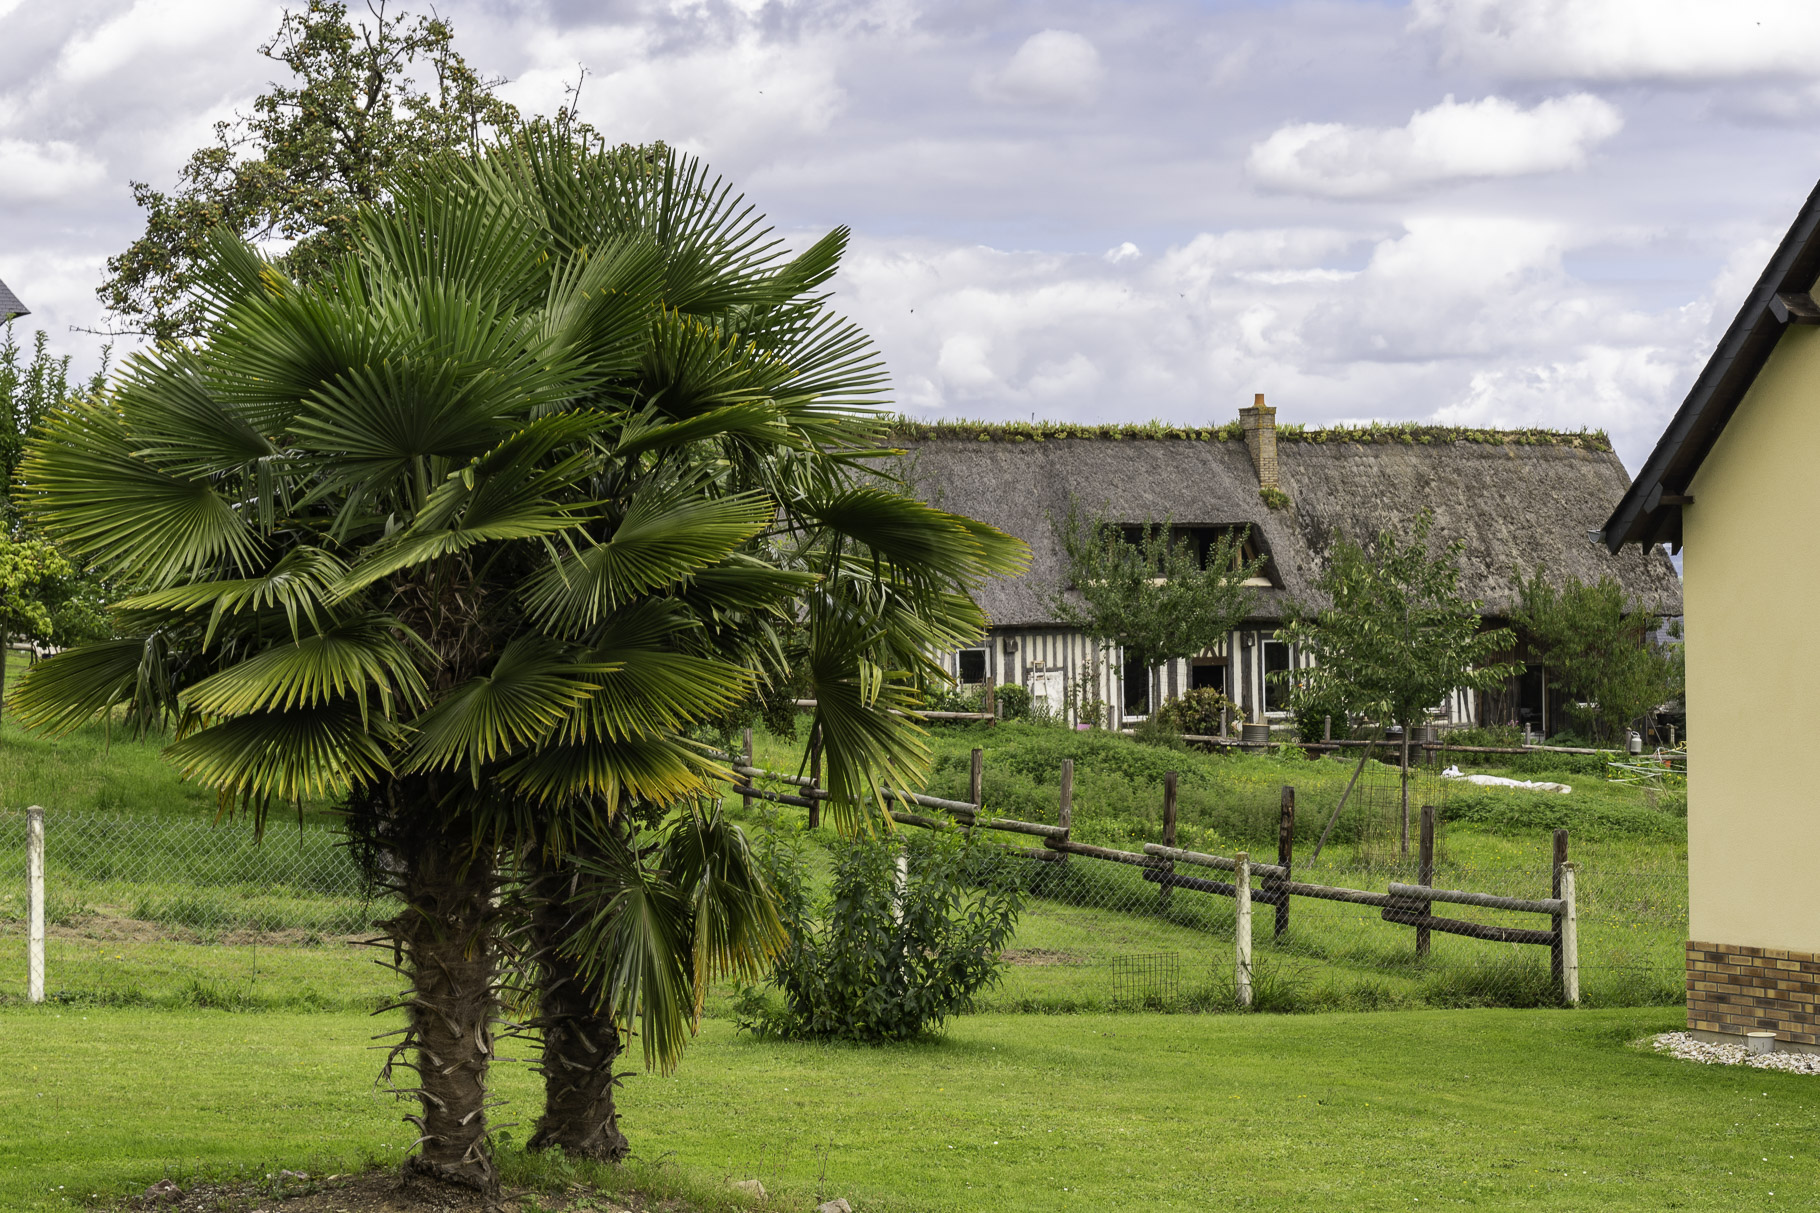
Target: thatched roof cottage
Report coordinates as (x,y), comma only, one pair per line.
(1518,498)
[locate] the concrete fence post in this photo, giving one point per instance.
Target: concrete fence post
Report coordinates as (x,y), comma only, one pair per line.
(34,876)
(1570,939)
(1241,973)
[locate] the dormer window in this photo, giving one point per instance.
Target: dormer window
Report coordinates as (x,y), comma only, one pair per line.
(1204,539)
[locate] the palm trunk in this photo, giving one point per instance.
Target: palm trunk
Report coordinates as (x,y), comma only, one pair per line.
(446,936)
(579,1043)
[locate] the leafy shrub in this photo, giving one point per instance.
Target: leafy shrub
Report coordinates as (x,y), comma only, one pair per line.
(1197,712)
(1013,701)
(886,958)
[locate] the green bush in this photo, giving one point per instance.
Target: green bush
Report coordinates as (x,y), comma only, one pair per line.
(1013,702)
(1197,712)
(884,960)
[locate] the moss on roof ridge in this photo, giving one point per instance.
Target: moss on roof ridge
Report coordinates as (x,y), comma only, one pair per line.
(1377,432)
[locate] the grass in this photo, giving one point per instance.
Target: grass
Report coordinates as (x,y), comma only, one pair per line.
(153,906)
(1489,1109)
(1633,897)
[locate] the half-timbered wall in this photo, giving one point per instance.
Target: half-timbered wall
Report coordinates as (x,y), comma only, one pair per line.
(1037,657)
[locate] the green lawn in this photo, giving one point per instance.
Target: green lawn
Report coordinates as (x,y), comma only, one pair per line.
(1490,1109)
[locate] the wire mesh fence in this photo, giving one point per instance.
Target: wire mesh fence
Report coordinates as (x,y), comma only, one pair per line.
(1097,935)
(158,911)
(144,910)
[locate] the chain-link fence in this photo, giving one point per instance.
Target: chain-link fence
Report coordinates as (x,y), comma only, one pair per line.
(1100,933)
(148,911)
(158,911)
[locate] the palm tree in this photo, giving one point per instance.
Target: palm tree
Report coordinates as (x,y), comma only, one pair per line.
(469,533)
(885,580)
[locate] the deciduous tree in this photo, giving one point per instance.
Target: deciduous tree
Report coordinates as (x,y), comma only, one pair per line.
(1159,598)
(1598,644)
(362,100)
(1394,636)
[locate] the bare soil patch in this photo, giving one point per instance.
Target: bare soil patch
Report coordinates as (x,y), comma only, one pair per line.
(1038,956)
(379,1192)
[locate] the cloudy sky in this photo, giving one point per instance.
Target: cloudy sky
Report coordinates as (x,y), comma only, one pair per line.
(1497,212)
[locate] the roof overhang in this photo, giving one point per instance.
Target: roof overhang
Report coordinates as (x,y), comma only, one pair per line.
(1650,512)
(10,306)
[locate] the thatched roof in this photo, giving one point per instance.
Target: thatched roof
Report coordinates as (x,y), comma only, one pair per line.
(1518,499)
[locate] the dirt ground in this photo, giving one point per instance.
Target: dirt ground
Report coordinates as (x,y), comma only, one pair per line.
(374,1192)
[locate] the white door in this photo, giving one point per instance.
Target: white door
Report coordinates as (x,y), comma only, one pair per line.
(1051,687)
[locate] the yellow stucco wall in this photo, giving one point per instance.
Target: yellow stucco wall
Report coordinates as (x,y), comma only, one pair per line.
(1751,564)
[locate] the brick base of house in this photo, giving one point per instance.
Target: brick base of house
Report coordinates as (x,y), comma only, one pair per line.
(1735,990)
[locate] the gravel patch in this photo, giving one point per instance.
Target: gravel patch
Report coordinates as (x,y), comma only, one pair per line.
(1685,1047)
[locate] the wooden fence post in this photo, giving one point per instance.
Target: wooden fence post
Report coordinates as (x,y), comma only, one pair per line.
(1570,940)
(976,775)
(1169,787)
(1241,970)
(1326,728)
(745,759)
(815,776)
(1555,969)
(34,878)
(1065,815)
(1425,872)
(1285,858)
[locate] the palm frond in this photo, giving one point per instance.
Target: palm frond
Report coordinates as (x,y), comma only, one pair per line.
(736,928)
(67,690)
(634,943)
(532,688)
(92,490)
(352,658)
(651,770)
(285,756)
(665,536)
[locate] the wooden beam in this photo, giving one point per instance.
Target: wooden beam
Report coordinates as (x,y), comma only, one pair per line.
(1794,307)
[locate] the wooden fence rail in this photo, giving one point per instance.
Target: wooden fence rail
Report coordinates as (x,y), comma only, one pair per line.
(1402,904)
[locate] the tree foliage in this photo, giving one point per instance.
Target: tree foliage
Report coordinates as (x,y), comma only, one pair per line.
(1395,634)
(890,951)
(44,596)
(1157,598)
(362,102)
(1597,644)
(473,528)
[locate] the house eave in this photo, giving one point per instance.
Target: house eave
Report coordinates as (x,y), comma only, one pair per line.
(1649,513)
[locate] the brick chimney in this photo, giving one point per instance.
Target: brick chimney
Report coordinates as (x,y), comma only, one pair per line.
(1260,424)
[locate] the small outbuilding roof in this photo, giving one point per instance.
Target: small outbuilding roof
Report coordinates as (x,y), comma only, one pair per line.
(1517,499)
(10,305)
(1650,512)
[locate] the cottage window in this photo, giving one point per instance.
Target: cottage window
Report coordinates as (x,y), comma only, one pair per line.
(1137,687)
(1208,674)
(973,665)
(1276,693)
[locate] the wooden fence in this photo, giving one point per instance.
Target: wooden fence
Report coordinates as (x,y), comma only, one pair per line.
(1409,905)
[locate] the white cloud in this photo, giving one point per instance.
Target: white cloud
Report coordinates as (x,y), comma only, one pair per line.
(731,89)
(1466,319)
(158,28)
(42,171)
(1055,67)
(1126,251)
(1451,142)
(1674,40)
